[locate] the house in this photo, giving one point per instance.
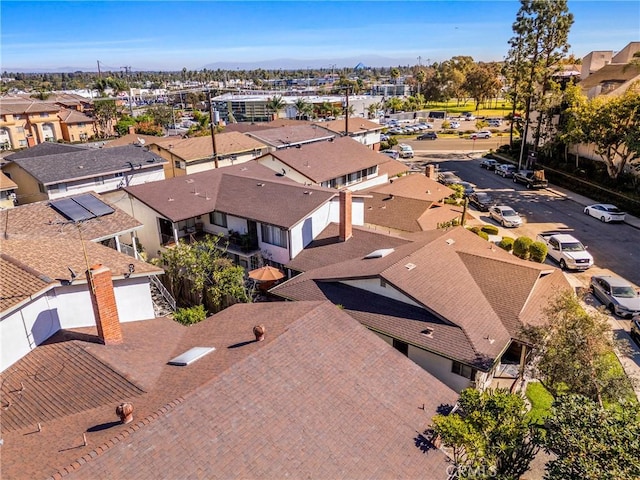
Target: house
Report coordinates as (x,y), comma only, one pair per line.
(291,135)
(193,155)
(45,288)
(25,123)
(449,300)
(98,221)
(7,192)
(261,215)
(42,176)
(335,163)
(360,129)
(307,401)
(76,126)
(411,203)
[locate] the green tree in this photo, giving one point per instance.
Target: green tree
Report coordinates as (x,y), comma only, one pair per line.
(590,442)
(204,266)
(161,114)
(105,112)
(574,352)
(303,108)
(540,43)
(394,74)
(482,82)
(489,434)
(275,105)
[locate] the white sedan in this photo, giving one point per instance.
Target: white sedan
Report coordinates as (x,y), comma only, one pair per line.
(505,216)
(605,212)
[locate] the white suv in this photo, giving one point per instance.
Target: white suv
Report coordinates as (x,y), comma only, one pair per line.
(405,151)
(481,134)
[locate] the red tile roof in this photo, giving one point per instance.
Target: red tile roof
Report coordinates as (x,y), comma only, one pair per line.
(247,410)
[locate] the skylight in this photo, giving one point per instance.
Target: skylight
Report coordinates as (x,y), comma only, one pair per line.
(191,356)
(382,252)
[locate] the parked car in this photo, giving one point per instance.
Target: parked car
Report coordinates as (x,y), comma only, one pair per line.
(425,126)
(489,163)
(618,295)
(391,154)
(480,134)
(505,216)
(384,137)
(494,122)
(427,136)
(505,170)
(469,116)
(482,201)
(567,250)
(469,188)
(605,212)
(447,178)
(405,150)
(454,124)
(635,329)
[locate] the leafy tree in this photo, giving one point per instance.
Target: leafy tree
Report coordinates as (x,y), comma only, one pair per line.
(537,50)
(489,434)
(161,114)
(482,82)
(394,74)
(303,108)
(105,112)
(590,442)
(201,269)
(574,352)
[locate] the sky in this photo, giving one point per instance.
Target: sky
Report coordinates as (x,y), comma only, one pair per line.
(172,35)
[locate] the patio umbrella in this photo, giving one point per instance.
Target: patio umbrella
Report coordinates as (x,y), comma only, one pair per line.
(266,274)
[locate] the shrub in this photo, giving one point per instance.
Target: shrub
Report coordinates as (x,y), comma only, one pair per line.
(475,230)
(538,252)
(521,247)
(482,234)
(191,315)
(490,229)
(506,244)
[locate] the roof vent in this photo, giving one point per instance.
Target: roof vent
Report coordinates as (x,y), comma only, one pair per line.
(189,180)
(260,184)
(382,252)
(170,199)
(190,356)
(410,266)
(450,241)
(427,332)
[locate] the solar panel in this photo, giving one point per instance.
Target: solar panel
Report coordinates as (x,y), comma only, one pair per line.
(72,210)
(95,206)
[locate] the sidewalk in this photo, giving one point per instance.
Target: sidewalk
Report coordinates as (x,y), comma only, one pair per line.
(584,201)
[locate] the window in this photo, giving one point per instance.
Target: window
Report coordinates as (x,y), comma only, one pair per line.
(60,187)
(218,218)
(274,235)
(463,370)
(44,115)
(176,163)
(99,181)
(20,129)
(118,175)
(23,143)
(383,284)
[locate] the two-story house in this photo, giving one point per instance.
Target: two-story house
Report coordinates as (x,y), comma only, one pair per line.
(192,155)
(360,129)
(25,123)
(449,300)
(263,216)
(42,175)
(334,163)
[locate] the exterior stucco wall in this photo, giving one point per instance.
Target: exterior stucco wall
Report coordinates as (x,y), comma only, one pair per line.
(28,190)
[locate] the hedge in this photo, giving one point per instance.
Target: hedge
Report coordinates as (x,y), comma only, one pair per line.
(506,244)
(521,247)
(538,252)
(490,229)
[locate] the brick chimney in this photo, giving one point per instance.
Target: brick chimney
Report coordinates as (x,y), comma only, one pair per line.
(430,172)
(346,229)
(104,304)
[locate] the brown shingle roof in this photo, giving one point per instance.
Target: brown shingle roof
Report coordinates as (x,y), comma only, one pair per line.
(392,168)
(415,185)
(356,125)
(397,213)
(197,148)
(247,410)
(455,275)
(39,219)
(18,283)
(70,116)
(6,183)
(265,197)
(322,161)
(326,248)
(134,139)
(291,135)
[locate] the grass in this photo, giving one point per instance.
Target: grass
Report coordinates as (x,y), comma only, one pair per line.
(500,108)
(540,400)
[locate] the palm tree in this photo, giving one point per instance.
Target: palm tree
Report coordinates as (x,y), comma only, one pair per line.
(275,105)
(302,108)
(395,74)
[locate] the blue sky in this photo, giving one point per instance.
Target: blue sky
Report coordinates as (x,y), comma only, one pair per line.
(170,35)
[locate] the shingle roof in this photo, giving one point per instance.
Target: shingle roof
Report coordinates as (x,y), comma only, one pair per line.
(392,168)
(398,213)
(28,106)
(264,197)
(326,248)
(54,257)
(70,116)
(356,125)
(415,185)
(88,163)
(249,409)
(6,183)
(227,143)
(18,283)
(39,219)
(44,149)
(291,135)
(455,275)
(322,161)
(134,139)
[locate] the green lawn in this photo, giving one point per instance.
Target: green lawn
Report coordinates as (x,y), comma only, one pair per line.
(540,400)
(500,108)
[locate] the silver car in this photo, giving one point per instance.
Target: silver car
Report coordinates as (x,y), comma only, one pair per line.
(616,294)
(505,216)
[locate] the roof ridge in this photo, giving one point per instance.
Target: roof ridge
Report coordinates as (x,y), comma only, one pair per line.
(99,450)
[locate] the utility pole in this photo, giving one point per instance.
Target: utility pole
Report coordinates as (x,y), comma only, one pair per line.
(99,72)
(419,61)
(213,130)
(127,71)
(346,113)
